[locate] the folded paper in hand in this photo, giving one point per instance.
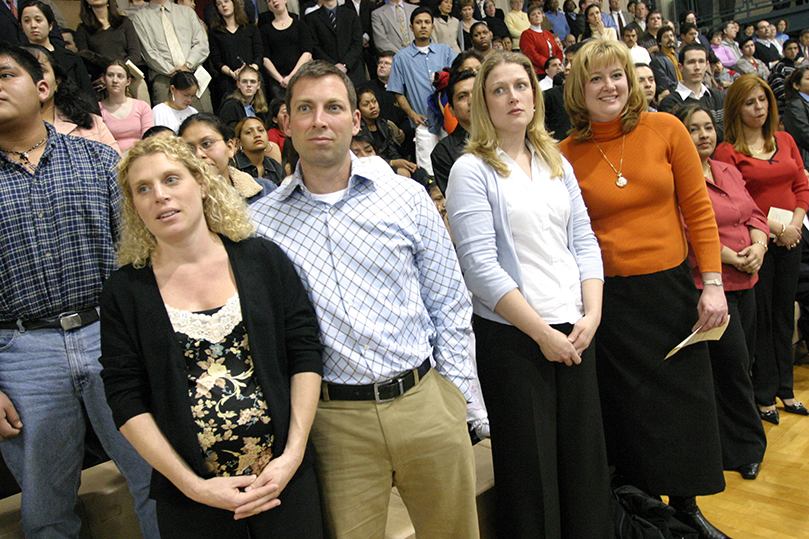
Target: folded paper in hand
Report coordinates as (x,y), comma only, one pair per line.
(711,335)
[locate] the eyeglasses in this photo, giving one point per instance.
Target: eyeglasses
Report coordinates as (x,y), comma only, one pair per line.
(206,145)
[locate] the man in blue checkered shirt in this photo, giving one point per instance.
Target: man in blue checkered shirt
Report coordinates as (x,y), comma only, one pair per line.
(59,202)
(381,272)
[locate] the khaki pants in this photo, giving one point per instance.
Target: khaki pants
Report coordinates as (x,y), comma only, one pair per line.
(418,442)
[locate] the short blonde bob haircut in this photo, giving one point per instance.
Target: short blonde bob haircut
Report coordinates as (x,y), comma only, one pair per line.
(737,96)
(596,54)
(225,210)
(484,138)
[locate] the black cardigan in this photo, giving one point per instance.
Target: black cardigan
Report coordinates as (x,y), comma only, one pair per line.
(144,370)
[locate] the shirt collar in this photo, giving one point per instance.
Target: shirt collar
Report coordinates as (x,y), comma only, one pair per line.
(804,96)
(360,173)
(685,92)
(152,5)
(414,49)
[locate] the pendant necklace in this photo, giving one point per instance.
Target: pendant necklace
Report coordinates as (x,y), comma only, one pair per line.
(24,155)
(620,181)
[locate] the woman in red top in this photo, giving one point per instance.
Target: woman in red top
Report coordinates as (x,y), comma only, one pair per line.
(538,44)
(743,233)
(772,168)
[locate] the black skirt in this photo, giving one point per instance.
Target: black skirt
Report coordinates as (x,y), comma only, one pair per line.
(660,417)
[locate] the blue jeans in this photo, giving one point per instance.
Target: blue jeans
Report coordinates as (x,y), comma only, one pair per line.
(53,379)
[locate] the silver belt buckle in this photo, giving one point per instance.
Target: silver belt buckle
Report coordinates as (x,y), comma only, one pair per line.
(70,321)
(377,398)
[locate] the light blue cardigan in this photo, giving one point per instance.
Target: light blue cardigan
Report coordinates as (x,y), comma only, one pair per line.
(478,217)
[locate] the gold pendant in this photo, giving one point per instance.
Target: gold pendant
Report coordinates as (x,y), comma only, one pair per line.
(621,181)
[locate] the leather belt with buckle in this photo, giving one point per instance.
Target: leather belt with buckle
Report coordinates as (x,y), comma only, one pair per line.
(380,392)
(66,321)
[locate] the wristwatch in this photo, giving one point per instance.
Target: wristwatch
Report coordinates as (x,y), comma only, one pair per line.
(717,282)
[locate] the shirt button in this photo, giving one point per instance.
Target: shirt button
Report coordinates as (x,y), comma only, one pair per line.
(338,256)
(40,215)
(47,254)
(332,211)
(366,347)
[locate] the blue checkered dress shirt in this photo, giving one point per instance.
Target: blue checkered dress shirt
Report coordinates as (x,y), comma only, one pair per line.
(382,274)
(57,227)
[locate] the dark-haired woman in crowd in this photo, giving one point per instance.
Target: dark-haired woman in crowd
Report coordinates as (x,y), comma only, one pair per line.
(70,110)
(796,112)
(103,30)
(126,117)
(211,355)
(37,20)
(640,177)
(533,265)
(287,46)
(278,109)
(213,144)
(182,91)
(772,168)
(743,233)
(594,25)
(378,129)
(246,101)
(257,156)
(234,42)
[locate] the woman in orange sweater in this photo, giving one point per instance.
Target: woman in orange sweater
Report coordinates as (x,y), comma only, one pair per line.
(639,173)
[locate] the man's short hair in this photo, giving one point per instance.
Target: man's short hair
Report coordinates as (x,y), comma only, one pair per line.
(454,79)
(804,32)
(418,11)
(70,31)
(318,69)
(652,12)
(686,27)
(24,59)
(662,31)
(791,41)
(691,47)
(628,28)
(386,54)
(547,63)
(367,138)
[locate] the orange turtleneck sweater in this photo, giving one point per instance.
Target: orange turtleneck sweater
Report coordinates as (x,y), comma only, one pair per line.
(639,226)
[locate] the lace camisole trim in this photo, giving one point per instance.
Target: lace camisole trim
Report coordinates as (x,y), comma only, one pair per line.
(230,413)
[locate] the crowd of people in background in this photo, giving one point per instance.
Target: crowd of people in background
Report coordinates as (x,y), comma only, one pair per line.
(606,182)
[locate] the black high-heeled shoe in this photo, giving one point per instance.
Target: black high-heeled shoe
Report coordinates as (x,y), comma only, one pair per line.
(797,408)
(769,415)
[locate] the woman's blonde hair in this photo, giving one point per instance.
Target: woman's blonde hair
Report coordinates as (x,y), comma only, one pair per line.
(593,55)
(734,101)
(483,137)
(225,210)
(259,100)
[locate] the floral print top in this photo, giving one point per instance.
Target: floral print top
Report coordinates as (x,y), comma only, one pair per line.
(230,413)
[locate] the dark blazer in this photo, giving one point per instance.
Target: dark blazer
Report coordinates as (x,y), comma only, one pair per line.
(796,122)
(341,46)
(144,369)
(665,74)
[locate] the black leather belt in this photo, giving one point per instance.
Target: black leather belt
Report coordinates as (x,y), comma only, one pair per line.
(66,321)
(380,391)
